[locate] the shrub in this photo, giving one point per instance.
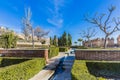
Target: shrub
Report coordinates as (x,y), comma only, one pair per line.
(22,71)
(6,61)
(79,47)
(81,72)
(53,51)
(104,68)
(8,40)
(63,49)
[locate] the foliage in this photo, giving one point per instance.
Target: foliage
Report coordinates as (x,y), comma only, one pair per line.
(6,61)
(63,49)
(80,71)
(53,51)
(55,40)
(75,43)
(69,40)
(102,69)
(80,40)
(43,41)
(65,40)
(8,40)
(79,47)
(95,70)
(51,41)
(22,71)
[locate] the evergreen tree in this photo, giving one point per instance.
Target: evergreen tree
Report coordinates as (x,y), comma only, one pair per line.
(69,40)
(64,39)
(51,41)
(55,40)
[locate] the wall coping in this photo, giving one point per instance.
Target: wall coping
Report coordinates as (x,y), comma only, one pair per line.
(96,50)
(25,49)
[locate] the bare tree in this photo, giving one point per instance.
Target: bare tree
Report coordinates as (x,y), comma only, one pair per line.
(25,31)
(40,33)
(28,25)
(88,34)
(104,21)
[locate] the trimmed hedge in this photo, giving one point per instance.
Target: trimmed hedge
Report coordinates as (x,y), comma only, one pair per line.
(6,61)
(53,51)
(79,47)
(22,71)
(107,69)
(81,72)
(63,49)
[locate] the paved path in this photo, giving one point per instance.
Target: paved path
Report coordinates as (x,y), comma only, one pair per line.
(66,74)
(49,70)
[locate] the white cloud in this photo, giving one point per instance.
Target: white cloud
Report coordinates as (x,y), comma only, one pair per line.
(56,18)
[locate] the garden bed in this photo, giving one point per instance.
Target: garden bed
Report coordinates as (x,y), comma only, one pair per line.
(95,70)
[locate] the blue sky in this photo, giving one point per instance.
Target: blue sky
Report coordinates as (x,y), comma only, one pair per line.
(56,15)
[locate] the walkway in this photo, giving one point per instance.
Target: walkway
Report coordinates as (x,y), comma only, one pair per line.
(67,65)
(49,70)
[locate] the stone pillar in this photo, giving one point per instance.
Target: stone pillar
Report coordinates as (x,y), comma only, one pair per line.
(46,55)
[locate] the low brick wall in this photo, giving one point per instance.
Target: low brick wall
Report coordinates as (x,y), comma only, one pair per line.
(42,53)
(111,55)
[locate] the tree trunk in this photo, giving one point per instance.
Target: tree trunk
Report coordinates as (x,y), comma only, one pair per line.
(89,43)
(105,42)
(33,38)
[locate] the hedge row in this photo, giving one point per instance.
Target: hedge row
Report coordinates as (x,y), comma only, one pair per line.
(22,71)
(53,51)
(79,47)
(105,68)
(26,45)
(63,49)
(6,61)
(81,72)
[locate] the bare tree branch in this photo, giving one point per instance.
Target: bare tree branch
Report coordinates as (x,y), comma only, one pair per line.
(105,25)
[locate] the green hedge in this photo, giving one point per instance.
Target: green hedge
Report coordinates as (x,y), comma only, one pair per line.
(53,51)
(81,72)
(6,61)
(63,49)
(22,71)
(104,68)
(79,47)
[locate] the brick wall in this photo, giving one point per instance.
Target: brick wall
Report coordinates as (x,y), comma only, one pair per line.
(112,55)
(43,53)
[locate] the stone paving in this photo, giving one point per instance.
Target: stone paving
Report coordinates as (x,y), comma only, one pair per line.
(66,74)
(49,70)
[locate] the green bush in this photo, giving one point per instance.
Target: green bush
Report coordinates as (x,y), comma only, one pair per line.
(63,49)
(104,68)
(22,71)
(53,51)
(81,72)
(79,47)
(6,61)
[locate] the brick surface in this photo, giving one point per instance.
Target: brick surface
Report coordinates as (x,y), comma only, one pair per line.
(112,55)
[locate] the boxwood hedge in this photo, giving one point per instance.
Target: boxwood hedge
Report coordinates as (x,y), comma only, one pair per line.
(81,72)
(7,61)
(63,49)
(22,71)
(53,51)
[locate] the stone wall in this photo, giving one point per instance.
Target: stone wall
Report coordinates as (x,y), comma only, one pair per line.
(43,53)
(112,55)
